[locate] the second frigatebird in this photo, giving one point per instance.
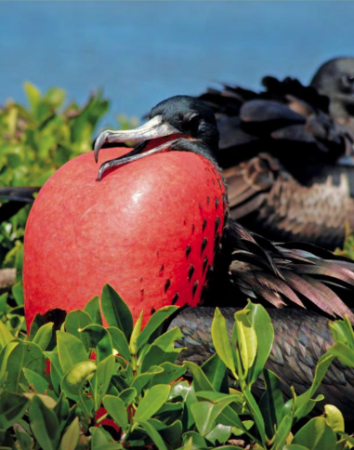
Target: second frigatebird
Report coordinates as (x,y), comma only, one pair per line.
(280,274)
(287,154)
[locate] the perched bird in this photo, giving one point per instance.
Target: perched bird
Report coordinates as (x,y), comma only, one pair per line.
(287,154)
(155,226)
(279,274)
(301,337)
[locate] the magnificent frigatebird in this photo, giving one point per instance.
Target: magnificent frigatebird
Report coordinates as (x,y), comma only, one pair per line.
(280,274)
(287,154)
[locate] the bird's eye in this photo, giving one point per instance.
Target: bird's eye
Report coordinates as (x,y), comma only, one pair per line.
(191,122)
(348,82)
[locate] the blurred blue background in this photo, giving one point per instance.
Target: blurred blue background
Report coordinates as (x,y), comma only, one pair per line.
(143,52)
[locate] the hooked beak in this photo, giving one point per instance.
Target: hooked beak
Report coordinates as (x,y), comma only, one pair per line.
(153,129)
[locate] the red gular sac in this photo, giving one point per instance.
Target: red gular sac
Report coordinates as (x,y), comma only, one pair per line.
(150,227)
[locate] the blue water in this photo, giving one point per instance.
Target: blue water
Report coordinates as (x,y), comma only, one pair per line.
(143,52)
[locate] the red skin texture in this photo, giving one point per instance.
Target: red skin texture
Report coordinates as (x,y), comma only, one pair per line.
(130,230)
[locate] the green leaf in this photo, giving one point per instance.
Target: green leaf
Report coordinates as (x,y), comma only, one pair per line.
(162,350)
(24,441)
(116,311)
(216,372)
(117,410)
(37,383)
(76,376)
(100,340)
(71,436)
(205,414)
(128,395)
(44,335)
(154,322)
(70,350)
(246,339)
(171,372)
(221,341)
(17,292)
(295,447)
(135,334)
(44,424)
(282,432)
(316,435)
(265,336)
(93,309)
(75,321)
(100,440)
(56,372)
(153,435)
(272,401)
(119,342)
(152,402)
(334,418)
(12,408)
(219,435)
(200,380)
(5,335)
(101,379)
(344,353)
(143,379)
(256,414)
(33,95)
(12,361)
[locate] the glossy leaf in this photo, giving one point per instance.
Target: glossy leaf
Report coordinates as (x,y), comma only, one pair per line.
(71,436)
(153,435)
(44,335)
(70,350)
(101,379)
(92,308)
(264,330)
(334,418)
(76,376)
(152,402)
(116,311)
(12,407)
(216,372)
(5,335)
(316,435)
(154,322)
(119,342)
(117,410)
(221,341)
(100,340)
(44,424)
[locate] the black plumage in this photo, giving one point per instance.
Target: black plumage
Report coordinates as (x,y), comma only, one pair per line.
(287,154)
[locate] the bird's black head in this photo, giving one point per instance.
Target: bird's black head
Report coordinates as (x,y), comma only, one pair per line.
(335,77)
(190,116)
(185,123)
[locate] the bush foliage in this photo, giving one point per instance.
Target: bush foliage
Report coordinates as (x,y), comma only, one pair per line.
(85,386)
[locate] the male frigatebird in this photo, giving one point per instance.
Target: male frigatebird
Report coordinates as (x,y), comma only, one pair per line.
(287,154)
(280,274)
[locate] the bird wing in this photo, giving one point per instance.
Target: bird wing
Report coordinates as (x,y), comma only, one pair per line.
(286,274)
(285,112)
(269,200)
